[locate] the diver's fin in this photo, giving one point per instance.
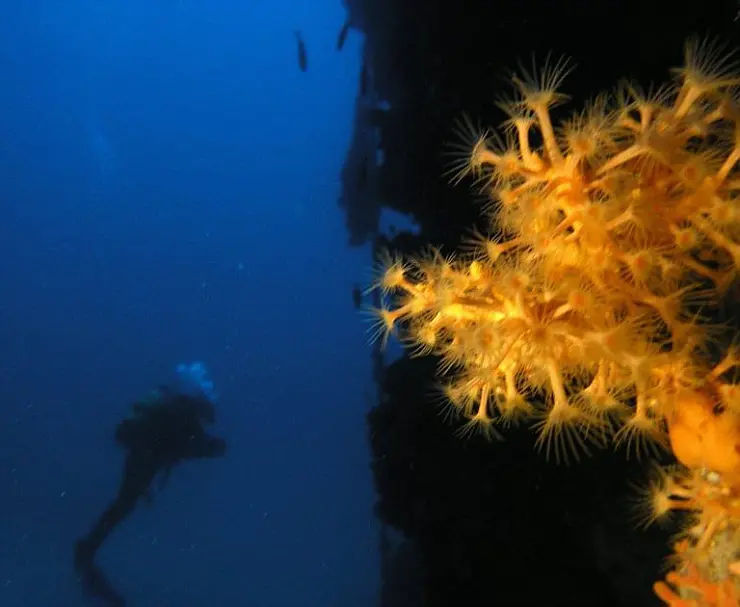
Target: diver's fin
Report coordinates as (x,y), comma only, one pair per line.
(95,584)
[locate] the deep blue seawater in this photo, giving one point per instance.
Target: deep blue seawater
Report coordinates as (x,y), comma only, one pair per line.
(168,188)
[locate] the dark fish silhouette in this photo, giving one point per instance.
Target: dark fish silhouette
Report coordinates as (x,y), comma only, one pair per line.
(357,297)
(342,38)
(302,55)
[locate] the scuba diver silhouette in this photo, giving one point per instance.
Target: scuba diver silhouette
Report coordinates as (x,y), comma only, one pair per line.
(165,430)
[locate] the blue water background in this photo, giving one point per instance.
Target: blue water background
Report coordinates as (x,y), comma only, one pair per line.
(168,187)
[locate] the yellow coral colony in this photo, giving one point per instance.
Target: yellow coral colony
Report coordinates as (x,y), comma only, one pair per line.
(616,236)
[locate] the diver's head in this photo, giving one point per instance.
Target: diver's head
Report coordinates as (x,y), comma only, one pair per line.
(198,407)
(194,379)
(193,382)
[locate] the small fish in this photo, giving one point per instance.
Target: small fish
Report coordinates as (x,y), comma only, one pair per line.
(357,297)
(342,38)
(302,55)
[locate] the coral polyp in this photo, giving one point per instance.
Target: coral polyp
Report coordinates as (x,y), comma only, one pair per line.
(589,312)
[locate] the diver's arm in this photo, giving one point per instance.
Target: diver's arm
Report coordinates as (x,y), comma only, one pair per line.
(214,447)
(147,497)
(164,479)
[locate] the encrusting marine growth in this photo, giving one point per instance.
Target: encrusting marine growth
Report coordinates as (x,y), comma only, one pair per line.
(591,307)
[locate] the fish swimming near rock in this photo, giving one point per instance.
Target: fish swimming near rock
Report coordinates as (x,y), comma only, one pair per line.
(342,37)
(302,55)
(357,297)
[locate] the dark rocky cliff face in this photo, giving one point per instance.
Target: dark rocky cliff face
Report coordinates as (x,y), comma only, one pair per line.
(493,523)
